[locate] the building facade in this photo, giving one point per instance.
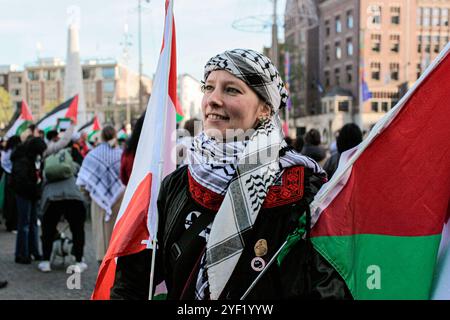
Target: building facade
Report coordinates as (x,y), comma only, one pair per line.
(190,97)
(111,89)
(382,44)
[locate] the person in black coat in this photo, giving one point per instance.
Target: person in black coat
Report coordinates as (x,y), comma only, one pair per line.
(224,216)
(26,181)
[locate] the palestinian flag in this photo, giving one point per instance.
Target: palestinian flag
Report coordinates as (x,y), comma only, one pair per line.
(136,223)
(20,121)
(92,128)
(67,109)
(379,220)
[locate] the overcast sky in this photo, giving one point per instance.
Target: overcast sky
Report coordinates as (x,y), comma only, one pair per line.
(204,28)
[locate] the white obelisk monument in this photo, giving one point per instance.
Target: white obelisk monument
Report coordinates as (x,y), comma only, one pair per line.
(73,78)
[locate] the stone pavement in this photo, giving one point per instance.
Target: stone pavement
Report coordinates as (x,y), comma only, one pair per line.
(26,282)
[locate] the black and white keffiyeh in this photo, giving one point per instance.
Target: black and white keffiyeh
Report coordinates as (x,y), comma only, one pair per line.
(99,175)
(242,171)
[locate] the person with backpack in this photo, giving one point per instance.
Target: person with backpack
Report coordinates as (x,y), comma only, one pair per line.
(61,196)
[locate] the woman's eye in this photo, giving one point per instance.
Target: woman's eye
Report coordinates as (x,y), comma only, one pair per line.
(232,90)
(207,88)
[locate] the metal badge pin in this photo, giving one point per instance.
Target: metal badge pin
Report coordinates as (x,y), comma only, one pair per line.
(261,248)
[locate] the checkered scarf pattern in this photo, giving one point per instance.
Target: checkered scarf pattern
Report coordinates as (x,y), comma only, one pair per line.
(256,70)
(99,175)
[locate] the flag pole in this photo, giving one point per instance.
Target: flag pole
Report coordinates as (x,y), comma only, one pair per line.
(168,44)
(263,272)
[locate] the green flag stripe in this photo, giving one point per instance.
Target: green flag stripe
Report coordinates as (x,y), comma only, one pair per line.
(380,266)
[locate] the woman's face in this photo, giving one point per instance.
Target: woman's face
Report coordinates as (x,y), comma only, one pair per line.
(229,103)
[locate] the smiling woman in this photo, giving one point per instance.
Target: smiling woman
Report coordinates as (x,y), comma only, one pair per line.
(224,216)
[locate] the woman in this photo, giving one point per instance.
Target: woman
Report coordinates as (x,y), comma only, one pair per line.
(224,215)
(99,176)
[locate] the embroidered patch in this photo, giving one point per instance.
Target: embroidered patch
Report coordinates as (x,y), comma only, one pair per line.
(290,190)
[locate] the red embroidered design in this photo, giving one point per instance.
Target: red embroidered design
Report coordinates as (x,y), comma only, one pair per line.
(291,190)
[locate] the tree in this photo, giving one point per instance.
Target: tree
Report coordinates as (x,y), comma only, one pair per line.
(6,108)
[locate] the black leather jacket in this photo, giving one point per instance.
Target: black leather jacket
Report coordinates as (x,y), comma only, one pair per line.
(303,273)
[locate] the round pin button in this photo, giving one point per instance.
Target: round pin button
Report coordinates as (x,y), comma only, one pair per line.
(258,264)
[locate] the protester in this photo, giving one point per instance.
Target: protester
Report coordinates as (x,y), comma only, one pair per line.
(126,163)
(299,143)
(350,135)
(99,177)
(26,180)
(9,205)
(56,143)
(62,197)
(222,217)
(76,148)
(312,146)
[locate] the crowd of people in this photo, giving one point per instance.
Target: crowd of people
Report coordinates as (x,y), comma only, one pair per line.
(222,217)
(52,181)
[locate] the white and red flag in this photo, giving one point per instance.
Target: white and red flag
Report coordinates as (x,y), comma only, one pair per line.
(136,223)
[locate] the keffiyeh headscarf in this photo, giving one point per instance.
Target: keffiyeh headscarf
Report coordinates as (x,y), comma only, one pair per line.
(99,175)
(242,171)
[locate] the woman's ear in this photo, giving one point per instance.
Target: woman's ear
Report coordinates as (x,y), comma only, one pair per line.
(265,110)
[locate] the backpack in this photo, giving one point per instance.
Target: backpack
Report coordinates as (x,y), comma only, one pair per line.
(59,166)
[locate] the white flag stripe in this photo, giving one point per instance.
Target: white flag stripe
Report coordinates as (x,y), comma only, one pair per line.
(152,142)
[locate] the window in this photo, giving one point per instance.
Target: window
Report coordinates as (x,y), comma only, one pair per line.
(374,106)
(33,75)
(49,74)
(375,68)
(338,24)
(327,28)
(436,47)
(337,76)
(384,106)
(16,92)
(349,47)
(393,103)
(350,19)
(418,70)
(426,17)
(327,53)
(395,42)
(444,17)
(395,15)
(338,50)
(108,86)
(376,14)
(419,44)
(349,73)
(108,73)
(343,106)
(394,69)
(435,19)
(327,78)
(88,73)
(427,40)
(376,42)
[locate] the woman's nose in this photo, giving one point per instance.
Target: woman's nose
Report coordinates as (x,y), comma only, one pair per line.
(215,98)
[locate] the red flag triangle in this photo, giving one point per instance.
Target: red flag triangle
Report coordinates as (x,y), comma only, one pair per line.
(72,112)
